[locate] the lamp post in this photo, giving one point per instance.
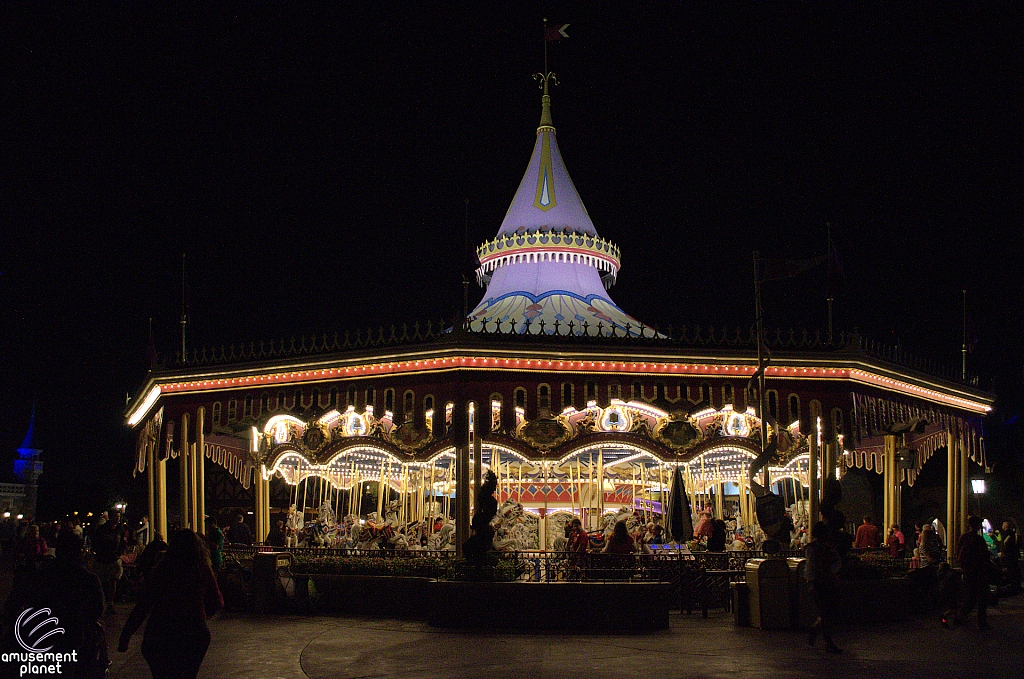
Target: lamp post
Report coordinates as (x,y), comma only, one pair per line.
(978,487)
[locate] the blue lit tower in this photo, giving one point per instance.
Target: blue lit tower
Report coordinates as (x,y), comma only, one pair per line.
(28,467)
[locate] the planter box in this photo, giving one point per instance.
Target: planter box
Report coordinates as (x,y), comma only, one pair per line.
(543,606)
(385,596)
(875,600)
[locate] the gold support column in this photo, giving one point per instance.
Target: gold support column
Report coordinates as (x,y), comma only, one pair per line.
(460,427)
(890,483)
(478,467)
(964,478)
(161,496)
(200,472)
(193,514)
(828,466)
(258,487)
(952,496)
(266,506)
(151,487)
(183,472)
(812,477)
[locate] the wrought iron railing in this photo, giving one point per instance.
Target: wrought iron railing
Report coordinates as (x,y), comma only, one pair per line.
(693,336)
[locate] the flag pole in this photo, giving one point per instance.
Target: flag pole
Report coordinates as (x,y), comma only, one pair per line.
(963,366)
(184,317)
(760,358)
(828,276)
(544,39)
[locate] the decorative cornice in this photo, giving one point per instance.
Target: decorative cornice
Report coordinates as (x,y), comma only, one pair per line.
(851,369)
(553,247)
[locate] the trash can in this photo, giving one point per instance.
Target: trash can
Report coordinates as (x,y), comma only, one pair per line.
(740,603)
(768,583)
(799,594)
(265,579)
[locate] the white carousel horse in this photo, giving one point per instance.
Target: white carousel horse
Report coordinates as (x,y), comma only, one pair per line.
(443,535)
(295,524)
(391,514)
(510,531)
(326,514)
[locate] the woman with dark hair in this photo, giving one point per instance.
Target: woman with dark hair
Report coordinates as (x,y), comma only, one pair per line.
(619,542)
(178,597)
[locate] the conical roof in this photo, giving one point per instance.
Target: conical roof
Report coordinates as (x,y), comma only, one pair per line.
(546,199)
(29,443)
(547,263)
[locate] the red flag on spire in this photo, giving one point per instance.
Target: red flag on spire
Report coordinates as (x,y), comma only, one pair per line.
(556,32)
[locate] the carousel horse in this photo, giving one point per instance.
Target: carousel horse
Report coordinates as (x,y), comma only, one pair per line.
(391,514)
(349,531)
(442,538)
(315,534)
(373,531)
(505,522)
(295,524)
(326,514)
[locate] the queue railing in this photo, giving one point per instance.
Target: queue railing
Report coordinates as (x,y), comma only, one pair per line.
(697,580)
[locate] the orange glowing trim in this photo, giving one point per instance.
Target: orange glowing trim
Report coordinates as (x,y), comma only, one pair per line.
(929,394)
(478,362)
(144,407)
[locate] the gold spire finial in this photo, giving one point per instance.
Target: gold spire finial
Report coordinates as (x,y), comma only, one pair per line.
(544,79)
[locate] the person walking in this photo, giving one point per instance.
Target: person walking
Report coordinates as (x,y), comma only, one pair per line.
(1009,556)
(178,598)
(977,567)
(107,548)
(821,572)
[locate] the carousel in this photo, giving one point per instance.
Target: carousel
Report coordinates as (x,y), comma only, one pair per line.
(377,439)
(348,491)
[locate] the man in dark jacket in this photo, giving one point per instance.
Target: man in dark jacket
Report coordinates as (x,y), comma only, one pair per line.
(239,533)
(107,547)
(275,538)
(972,554)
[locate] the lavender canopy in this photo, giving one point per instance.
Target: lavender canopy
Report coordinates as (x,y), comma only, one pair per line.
(549,291)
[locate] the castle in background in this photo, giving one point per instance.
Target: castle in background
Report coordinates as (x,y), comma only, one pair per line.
(18,500)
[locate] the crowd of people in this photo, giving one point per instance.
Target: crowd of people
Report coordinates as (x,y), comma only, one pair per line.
(75,573)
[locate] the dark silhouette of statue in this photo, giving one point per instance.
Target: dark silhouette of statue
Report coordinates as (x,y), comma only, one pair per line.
(479,543)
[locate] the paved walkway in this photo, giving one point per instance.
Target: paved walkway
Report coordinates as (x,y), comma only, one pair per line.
(292,647)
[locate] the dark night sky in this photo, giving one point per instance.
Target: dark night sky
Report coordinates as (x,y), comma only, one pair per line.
(313,164)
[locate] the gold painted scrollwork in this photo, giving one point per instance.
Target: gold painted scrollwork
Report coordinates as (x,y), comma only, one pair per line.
(544,433)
